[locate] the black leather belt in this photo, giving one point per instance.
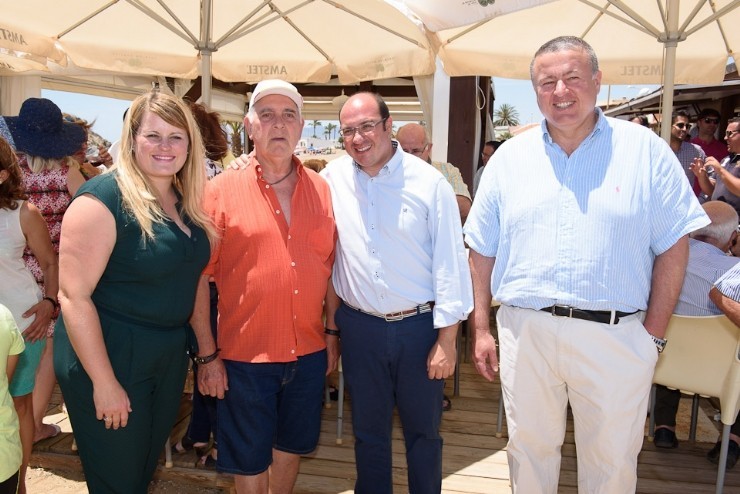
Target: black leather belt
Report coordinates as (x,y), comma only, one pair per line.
(602,316)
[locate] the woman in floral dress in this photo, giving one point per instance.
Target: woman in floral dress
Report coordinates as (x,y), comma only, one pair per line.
(44,143)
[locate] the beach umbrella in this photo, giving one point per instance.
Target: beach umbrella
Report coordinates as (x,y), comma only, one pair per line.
(637,41)
(232,40)
(22,50)
(11,63)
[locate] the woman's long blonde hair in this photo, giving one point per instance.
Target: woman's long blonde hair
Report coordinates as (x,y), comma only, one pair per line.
(137,191)
(37,164)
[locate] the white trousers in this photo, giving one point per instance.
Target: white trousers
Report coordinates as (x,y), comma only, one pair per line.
(605,371)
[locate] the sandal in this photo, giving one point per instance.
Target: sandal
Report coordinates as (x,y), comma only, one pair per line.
(186,444)
(207,461)
(51,430)
(446,403)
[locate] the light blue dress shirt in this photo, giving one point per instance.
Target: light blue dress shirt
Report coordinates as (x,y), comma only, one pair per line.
(581,230)
(706,264)
(729,284)
(400,239)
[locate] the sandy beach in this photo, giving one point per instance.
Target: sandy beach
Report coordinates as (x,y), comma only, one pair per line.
(39,480)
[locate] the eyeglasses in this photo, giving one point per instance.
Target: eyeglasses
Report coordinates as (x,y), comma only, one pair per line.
(682,125)
(418,152)
(710,120)
(731,133)
(366,128)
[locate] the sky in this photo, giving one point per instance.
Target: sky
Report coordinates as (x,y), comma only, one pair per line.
(521,95)
(108,112)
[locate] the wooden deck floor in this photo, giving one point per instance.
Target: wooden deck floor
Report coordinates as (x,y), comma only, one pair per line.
(474,459)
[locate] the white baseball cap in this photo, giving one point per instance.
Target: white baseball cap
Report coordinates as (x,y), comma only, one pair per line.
(275,86)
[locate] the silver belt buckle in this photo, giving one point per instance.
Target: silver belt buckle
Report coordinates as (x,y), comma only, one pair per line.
(570,310)
(398,316)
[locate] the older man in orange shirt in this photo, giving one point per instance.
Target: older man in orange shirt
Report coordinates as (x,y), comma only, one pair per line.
(272,265)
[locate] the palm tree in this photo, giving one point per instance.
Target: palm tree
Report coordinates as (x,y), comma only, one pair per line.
(236,137)
(314,124)
(332,129)
(506,116)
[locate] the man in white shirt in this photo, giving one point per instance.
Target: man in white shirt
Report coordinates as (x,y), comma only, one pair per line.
(403,286)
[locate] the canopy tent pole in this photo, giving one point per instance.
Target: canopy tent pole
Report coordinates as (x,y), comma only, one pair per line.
(669,68)
(205,78)
(206,49)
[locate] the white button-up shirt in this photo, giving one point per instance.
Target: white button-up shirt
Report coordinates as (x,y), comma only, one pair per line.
(400,239)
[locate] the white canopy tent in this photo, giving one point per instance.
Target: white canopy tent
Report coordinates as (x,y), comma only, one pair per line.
(637,41)
(233,40)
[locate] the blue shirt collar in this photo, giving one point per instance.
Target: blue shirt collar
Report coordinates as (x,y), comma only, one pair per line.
(600,124)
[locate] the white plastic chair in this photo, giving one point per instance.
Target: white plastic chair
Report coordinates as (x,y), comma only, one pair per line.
(501,412)
(168,454)
(703,357)
(340,402)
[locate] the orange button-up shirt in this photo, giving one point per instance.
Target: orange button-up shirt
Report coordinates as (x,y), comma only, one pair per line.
(271,276)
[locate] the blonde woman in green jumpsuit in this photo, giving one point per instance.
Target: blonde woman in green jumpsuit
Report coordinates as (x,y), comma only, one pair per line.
(133,244)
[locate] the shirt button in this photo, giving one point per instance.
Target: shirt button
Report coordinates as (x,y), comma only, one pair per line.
(292,351)
(267,186)
(296,292)
(292,263)
(277,211)
(289,237)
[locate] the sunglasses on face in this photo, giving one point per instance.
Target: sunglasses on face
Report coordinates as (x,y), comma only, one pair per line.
(682,125)
(710,120)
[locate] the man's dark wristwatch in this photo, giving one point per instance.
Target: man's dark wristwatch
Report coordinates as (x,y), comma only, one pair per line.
(332,332)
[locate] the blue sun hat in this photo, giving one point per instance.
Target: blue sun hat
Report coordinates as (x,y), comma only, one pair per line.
(40,130)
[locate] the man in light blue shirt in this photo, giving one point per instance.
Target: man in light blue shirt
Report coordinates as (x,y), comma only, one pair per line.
(708,261)
(586,218)
(726,295)
(403,285)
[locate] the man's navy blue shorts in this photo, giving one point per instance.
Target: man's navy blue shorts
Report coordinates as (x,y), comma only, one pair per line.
(269,406)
